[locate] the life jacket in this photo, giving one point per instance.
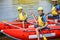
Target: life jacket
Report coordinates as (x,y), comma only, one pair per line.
(22,16)
(40,21)
(54,12)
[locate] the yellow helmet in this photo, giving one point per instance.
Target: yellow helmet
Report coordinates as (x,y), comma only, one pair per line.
(40,8)
(19,8)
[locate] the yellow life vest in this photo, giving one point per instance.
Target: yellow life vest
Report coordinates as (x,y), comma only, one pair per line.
(40,22)
(54,11)
(22,17)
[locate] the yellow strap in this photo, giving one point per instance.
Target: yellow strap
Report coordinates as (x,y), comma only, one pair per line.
(40,22)
(54,11)
(22,17)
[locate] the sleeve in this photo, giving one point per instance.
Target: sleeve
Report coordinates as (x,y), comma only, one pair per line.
(44,18)
(58,7)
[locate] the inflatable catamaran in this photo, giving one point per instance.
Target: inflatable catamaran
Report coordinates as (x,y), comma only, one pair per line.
(16,30)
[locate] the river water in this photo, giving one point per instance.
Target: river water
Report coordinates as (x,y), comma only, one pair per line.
(8,8)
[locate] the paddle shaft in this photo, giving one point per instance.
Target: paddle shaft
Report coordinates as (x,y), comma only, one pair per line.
(34,17)
(14,26)
(18,27)
(23,25)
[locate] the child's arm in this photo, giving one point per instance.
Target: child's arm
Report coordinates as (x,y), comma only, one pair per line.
(25,16)
(48,13)
(48,19)
(35,18)
(17,17)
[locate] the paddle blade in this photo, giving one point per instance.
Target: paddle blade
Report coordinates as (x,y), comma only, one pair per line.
(4,21)
(44,37)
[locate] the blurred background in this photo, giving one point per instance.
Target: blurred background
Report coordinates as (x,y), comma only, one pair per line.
(8,8)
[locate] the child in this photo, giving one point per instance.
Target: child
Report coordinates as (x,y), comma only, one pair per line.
(54,13)
(42,21)
(22,16)
(54,7)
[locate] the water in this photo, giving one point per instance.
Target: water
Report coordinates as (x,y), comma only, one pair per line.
(8,9)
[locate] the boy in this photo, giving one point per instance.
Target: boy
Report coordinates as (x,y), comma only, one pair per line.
(42,21)
(21,16)
(54,7)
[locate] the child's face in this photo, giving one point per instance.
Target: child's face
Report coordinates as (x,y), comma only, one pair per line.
(40,12)
(54,2)
(20,10)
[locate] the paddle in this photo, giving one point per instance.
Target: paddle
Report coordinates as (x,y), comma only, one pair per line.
(34,17)
(5,22)
(44,37)
(23,24)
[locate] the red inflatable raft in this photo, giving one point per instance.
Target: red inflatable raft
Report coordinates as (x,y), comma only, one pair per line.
(30,33)
(15,29)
